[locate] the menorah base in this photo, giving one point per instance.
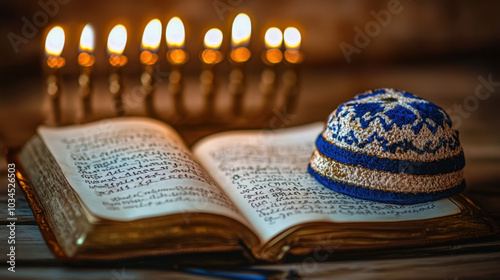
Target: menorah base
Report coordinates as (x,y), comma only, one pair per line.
(214,109)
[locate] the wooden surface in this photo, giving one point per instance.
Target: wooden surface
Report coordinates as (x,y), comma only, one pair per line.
(322,90)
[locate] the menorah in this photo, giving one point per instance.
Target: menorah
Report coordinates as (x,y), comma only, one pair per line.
(275,54)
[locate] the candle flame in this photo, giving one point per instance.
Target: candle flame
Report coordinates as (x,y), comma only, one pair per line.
(117,40)
(292,38)
(151,37)
(87,39)
(273,38)
(241,31)
(213,39)
(175,33)
(54,43)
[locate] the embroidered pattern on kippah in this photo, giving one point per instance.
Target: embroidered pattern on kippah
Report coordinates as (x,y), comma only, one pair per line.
(393,124)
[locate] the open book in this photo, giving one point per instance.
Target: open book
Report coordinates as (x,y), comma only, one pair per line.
(128,187)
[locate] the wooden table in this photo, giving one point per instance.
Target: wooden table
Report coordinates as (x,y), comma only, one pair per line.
(322,90)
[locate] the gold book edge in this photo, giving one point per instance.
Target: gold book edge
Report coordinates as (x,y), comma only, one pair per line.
(472,222)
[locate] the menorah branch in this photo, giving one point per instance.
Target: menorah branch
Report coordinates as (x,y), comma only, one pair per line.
(54,93)
(116,90)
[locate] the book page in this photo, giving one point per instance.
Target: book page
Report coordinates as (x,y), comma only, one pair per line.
(265,174)
(131,168)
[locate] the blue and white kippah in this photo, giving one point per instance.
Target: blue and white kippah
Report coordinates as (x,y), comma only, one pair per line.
(391,146)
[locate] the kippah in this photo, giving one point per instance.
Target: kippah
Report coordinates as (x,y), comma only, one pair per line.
(391,146)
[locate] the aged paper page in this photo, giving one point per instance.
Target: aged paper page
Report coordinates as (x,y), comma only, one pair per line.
(126,169)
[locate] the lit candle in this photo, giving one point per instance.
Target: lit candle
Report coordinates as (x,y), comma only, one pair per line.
(54,45)
(240,38)
(150,44)
(210,56)
(293,57)
(273,40)
(212,42)
(176,56)
(292,40)
(86,61)
(271,57)
(117,40)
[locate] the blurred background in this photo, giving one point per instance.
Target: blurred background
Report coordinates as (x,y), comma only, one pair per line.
(446,51)
(440,50)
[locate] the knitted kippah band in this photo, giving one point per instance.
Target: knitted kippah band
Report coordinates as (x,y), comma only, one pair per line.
(383,196)
(383,180)
(391,146)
